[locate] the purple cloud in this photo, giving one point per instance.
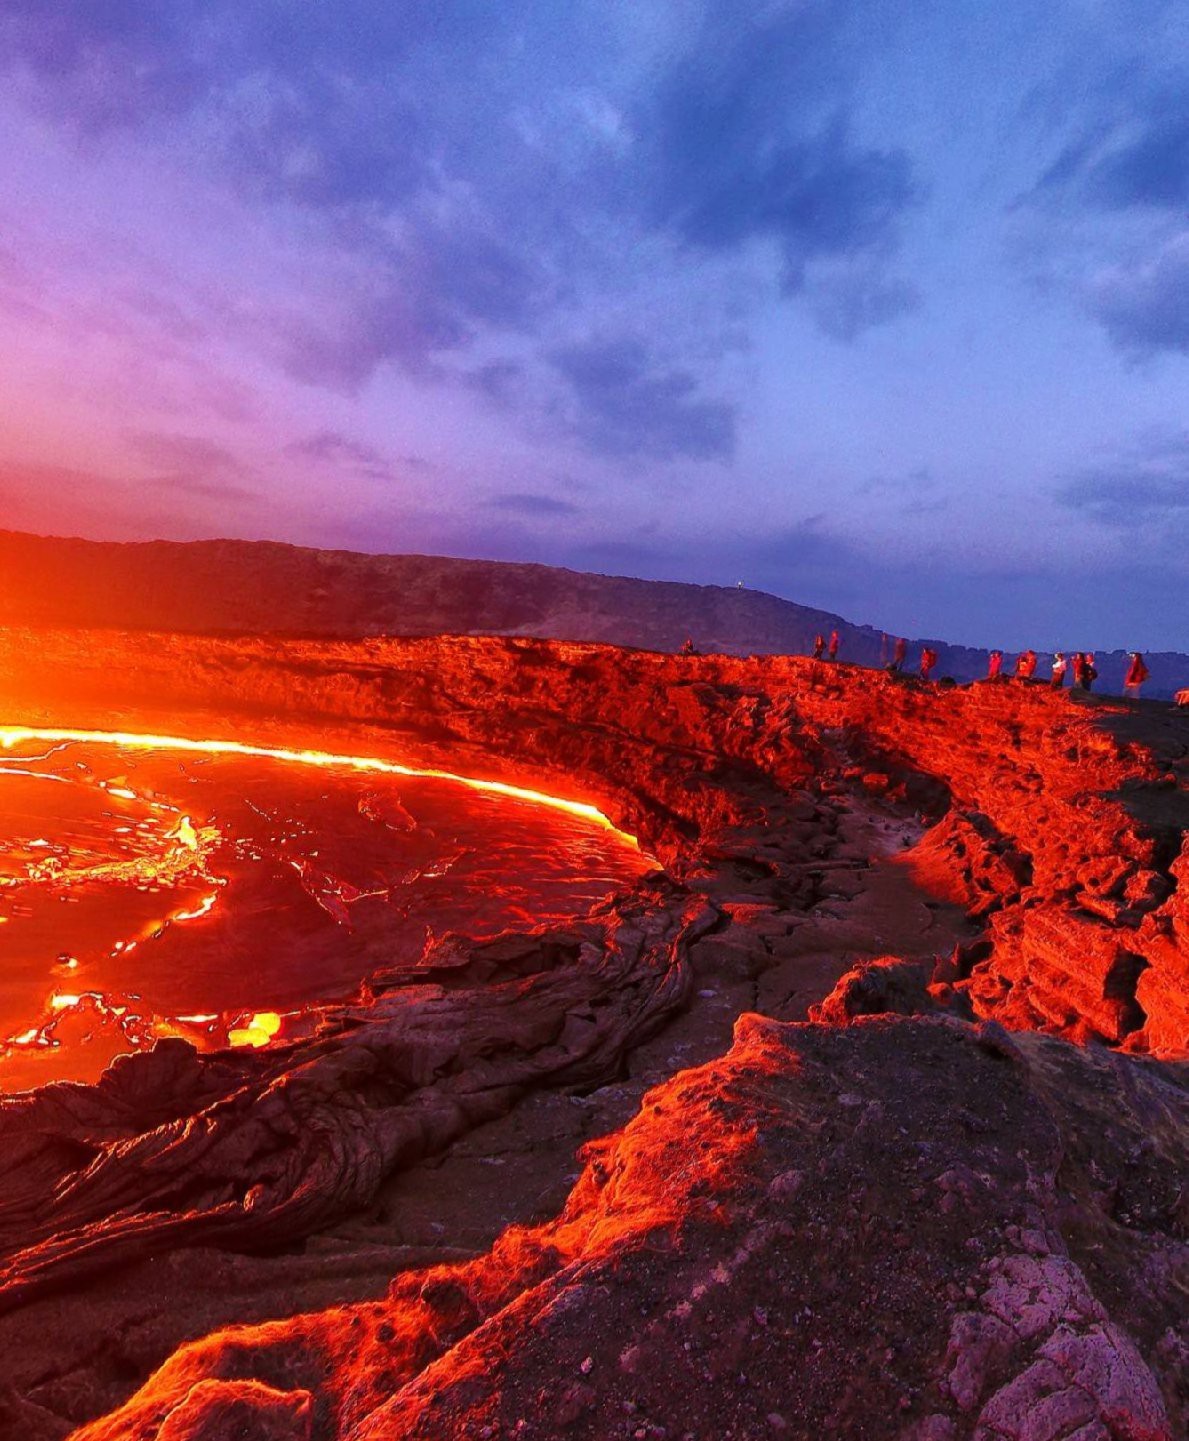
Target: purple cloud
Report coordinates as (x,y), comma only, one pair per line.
(624,404)
(531,505)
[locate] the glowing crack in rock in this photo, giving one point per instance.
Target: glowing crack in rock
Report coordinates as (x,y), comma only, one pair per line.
(201,909)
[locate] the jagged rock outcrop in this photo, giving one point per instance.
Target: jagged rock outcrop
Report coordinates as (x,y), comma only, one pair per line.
(901,1229)
(1161,991)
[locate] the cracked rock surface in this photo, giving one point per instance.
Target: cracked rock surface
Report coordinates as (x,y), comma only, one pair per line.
(862,1231)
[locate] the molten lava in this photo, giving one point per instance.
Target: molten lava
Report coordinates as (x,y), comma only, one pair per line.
(13,735)
(214,889)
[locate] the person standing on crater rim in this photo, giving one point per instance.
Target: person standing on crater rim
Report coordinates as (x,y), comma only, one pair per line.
(1060,666)
(928,661)
(995,665)
(1137,673)
(819,645)
(833,648)
(898,655)
(1026,665)
(1089,671)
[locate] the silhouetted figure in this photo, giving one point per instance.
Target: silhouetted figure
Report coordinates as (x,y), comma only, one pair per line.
(1137,673)
(1060,665)
(995,665)
(898,654)
(928,661)
(833,649)
(1077,666)
(1026,665)
(1084,673)
(687,646)
(1089,671)
(819,646)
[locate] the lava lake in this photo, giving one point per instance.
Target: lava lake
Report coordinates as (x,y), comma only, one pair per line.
(148,891)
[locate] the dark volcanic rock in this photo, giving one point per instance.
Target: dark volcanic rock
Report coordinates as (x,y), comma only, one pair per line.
(296,1136)
(886,1231)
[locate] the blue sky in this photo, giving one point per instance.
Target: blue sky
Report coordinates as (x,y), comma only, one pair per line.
(880,308)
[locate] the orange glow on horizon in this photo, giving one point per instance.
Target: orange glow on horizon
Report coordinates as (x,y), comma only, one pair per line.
(14,735)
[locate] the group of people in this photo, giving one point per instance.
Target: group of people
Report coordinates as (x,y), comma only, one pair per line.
(1080,665)
(899,654)
(820,647)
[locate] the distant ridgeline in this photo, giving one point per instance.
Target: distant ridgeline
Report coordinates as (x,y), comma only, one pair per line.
(263,586)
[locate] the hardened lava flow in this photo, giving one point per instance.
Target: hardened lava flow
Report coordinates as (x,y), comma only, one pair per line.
(930,1188)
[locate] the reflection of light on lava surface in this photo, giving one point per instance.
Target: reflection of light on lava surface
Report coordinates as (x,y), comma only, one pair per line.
(211,890)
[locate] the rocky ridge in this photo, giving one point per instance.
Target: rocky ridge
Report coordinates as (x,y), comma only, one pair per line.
(264,587)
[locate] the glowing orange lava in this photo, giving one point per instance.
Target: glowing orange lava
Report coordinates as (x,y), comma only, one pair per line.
(14,735)
(260,1029)
(99,1008)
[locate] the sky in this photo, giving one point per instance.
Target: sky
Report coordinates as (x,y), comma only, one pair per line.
(880,308)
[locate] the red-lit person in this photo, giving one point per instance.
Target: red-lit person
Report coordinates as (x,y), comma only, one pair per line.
(1077,667)
(832,650)
(1060,666)
(995,665)
(899,653)
(1137,673)
(928,661)
(687,646)
(819,645)
(1026,665)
